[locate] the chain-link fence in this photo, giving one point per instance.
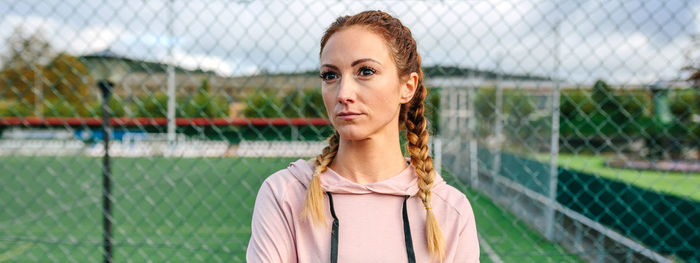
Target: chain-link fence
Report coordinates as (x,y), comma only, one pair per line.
(572,126)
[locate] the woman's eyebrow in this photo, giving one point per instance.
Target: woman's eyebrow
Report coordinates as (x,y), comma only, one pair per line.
(353,63)
(330,66)
(363,60)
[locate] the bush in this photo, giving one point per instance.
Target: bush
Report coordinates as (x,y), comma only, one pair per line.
(684,103)
(576,104)
(49,108)
(485,104)
(58,108)
(602,95)
(310,104)
(4,108)
(432,110)
(63,108)
(632,105)
(518,108)
(155,106)
(117,106)
(263,104)
(292,104)
(94,109)
(203,106)
(20,109)
(518,105)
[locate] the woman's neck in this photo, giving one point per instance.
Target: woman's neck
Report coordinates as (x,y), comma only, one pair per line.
(370,160)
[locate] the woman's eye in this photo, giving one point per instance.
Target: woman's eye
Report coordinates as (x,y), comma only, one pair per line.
(327,76)
(366,71)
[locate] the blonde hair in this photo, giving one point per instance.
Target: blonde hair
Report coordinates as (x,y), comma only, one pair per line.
(313,205)
(405,54)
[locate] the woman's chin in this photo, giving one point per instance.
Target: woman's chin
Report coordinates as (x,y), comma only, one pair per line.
(352,133)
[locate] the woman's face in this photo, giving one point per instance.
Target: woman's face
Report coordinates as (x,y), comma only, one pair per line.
(361,88)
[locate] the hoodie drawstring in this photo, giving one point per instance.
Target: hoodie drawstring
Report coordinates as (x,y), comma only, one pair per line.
(406,232)
(334,231)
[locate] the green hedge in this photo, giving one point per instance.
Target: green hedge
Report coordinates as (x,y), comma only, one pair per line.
(592,117)
(273,103)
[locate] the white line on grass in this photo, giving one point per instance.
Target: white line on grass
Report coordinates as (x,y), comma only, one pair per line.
(489,251)
(14,252)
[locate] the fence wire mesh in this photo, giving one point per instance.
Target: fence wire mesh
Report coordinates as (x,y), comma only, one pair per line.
(572,126)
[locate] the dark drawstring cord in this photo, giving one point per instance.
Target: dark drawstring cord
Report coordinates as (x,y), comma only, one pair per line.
(334,231)
(406,232)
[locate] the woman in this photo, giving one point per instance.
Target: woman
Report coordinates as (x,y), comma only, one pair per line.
(361,200)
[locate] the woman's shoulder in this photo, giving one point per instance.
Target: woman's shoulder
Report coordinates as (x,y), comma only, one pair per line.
(453,198)
(296,175)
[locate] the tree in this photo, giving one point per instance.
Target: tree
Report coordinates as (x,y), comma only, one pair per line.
(21,78)
(67,79)
(602,94)
(692,57)
(21,84)
(616,109)
(27,49)
(33,76)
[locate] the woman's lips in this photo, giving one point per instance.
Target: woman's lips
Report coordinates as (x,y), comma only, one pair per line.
(348,115)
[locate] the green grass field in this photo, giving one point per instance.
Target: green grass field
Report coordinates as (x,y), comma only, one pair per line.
(176,210)
(685,185)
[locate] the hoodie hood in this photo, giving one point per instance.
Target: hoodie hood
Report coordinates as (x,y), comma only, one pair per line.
(402,184)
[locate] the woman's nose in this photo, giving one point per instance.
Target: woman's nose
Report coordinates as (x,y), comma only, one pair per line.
(346,91)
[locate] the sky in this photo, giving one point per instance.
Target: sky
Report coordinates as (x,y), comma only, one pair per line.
(622,41)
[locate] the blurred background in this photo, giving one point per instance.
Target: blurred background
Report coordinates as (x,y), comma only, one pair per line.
(573,127)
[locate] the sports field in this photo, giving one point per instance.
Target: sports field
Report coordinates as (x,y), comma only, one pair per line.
(178,210)
(684,185)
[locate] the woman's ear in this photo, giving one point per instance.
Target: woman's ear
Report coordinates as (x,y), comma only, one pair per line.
(409,87)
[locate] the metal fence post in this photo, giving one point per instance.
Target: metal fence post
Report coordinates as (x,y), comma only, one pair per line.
(553,164)
(473,154)
(437,153)
(554,150)
(497,141)
(171,78)
(106,90)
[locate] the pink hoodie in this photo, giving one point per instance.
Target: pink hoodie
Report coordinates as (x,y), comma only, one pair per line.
(370,219)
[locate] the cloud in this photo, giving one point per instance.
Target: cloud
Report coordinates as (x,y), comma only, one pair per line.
(64,37)
(96,38)
(621,41)
(194,61)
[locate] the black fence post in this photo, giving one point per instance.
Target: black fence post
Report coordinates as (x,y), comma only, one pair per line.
(106,90)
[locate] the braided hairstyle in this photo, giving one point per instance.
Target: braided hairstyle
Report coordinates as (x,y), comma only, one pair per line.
(402,46)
